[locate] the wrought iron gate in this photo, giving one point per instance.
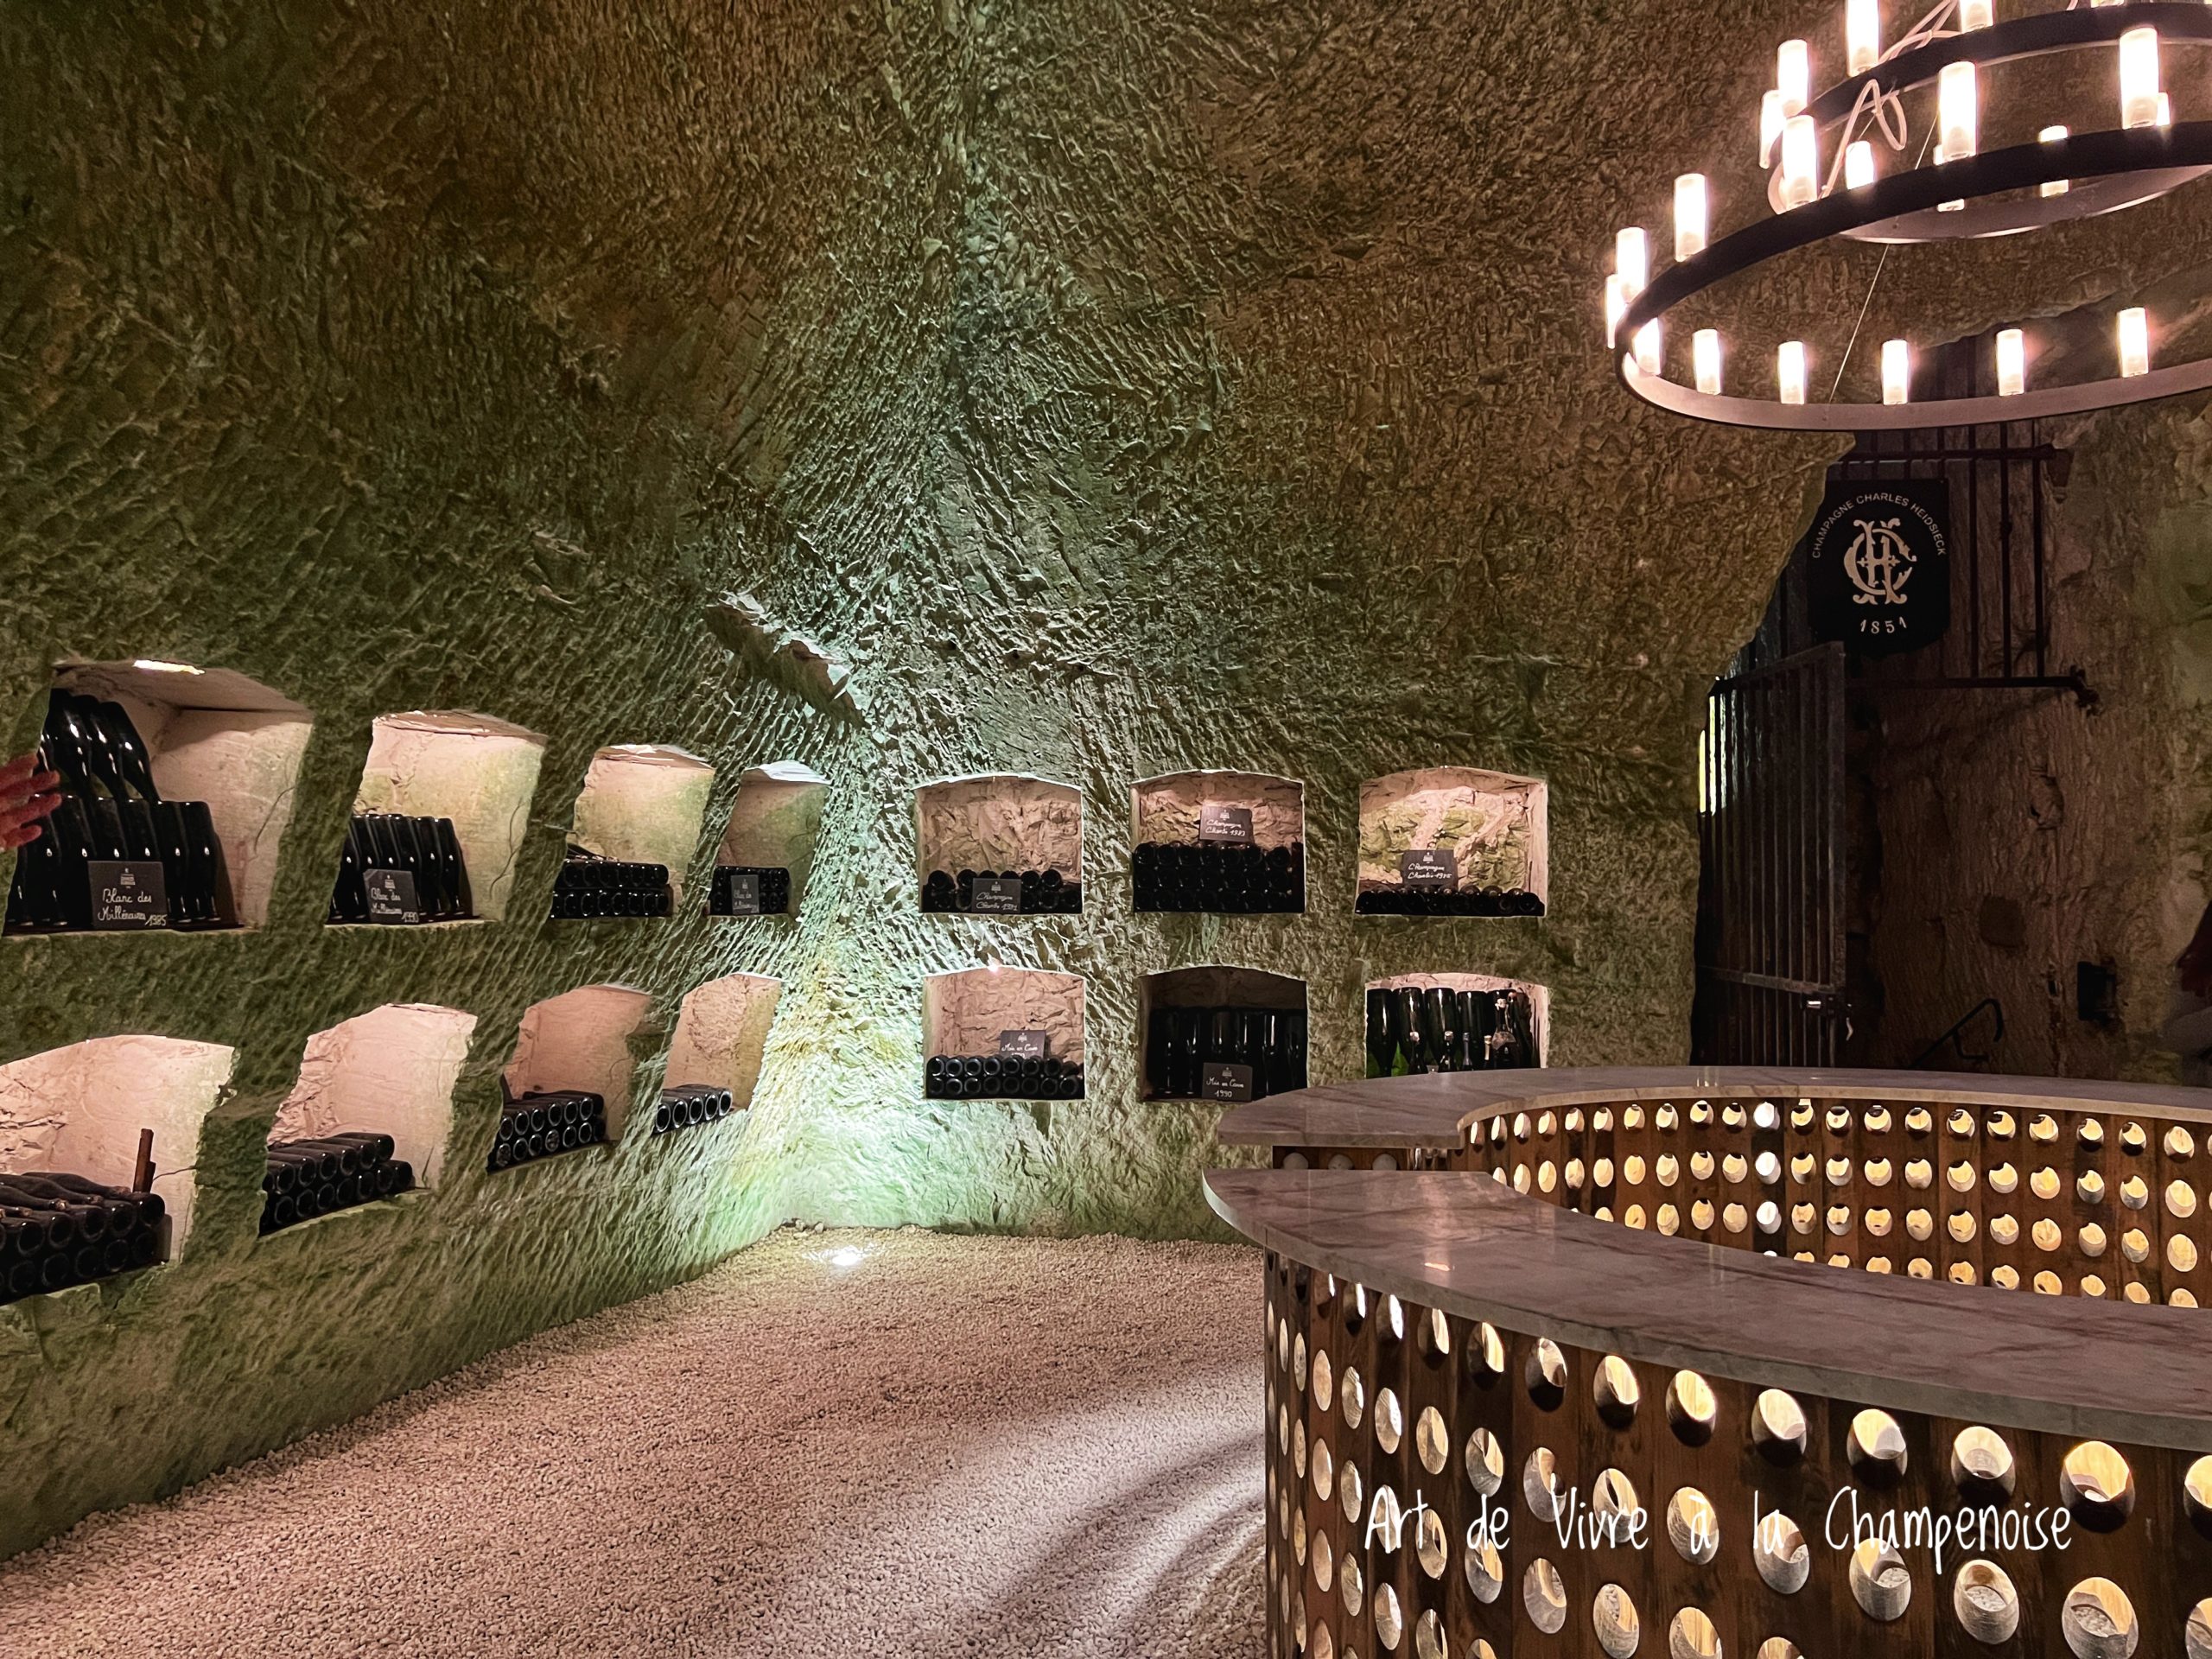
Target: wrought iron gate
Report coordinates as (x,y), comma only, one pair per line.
(1770,894)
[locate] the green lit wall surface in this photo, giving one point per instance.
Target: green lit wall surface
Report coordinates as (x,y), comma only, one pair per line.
(1111,387)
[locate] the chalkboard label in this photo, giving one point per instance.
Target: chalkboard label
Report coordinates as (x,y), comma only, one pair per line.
(128,892)
(1430,866)
(996,895)
(1228,826)
(743,888)
(1224,1082)
(391,895)
(1022,1045)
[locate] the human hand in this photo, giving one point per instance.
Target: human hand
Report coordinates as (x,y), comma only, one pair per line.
(26,795)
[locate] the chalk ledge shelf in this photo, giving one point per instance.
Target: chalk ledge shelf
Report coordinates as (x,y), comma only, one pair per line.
(1220,842)
(579,1043)
(767,848)
(391,1071)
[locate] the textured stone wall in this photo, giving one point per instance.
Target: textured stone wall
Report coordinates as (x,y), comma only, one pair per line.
(1093,389)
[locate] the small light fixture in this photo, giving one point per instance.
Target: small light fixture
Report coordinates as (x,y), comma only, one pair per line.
(1976,14)
(2011,363)
(1858,165)
(1801,161)
(1691,215)
(1789,371)
(1862,24)
(847,1258)
(1647,347)
(1705,349)
(1770,120)
(153,665)
(1958,101)
(1616,307)
(2135,342)
(1896,371)
(1632,260)
(2138,78)
(1793,76)
(2051,135)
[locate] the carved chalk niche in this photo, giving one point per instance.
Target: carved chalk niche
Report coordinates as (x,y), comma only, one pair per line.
(964,1013)
(214,735)
(775,822)
(998,821)
(389,1071)
(581,1040)
(1207,987)
(644,804)
(81,1108)
(478,772)
(1496,823)
(1540,997)
(722,1035)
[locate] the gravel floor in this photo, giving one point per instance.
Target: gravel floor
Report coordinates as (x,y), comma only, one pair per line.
(953,1447)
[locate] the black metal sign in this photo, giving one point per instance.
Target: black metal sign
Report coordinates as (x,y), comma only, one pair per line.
(127,893)
(1225,1082)
(744,891)
(1230,826)
(996,895)
(1878,565)
(1023,1045)
(1429,867)
(391,896)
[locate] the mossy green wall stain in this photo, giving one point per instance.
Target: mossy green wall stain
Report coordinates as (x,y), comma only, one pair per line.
(1118,387)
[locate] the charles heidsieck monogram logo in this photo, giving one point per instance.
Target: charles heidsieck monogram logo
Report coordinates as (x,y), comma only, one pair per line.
(1878,565)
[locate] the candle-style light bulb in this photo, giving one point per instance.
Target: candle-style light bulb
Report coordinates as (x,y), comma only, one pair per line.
(1632,259)
(1859,165)
(1789,371)
(1647,347)
(1691,215)
(1793,76)
(1958,112)
(1616,307)
(1770,120)
(1801,161)
(2165,110)
(2011,363)
(1896,371)
(2138,78)
(2135,342)
(1706,352)
(1862,24)
(1976,14)
(2056,186)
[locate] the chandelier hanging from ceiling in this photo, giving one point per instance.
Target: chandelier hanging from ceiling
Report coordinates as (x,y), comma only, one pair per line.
(1850,161)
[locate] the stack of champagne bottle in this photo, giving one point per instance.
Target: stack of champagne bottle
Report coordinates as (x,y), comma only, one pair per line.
(313,1176)
(58,1229)
(1448,901)
(1214,876)
(111,811)
(1043,892)
(774,886)
(691,1102)
(539,1125)
(1435,1029)
(426,849)
(591,886)
(996,1076)
(1180,1043)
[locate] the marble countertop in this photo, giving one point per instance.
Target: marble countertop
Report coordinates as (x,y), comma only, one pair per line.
(1429,1110)
(1464,1243)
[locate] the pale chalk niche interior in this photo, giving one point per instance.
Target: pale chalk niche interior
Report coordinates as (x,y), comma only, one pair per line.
(644,804)
(1495,823)
(478,772)
(966,1013)
(722,1035)
(80,1110)
(581,1040)
(389,1071)
(214,735)
(1209,987)
(1540,997)
(775,822)
(995,822)
(1168,809)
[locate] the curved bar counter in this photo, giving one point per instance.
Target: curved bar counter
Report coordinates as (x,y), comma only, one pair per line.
(1541,1379)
